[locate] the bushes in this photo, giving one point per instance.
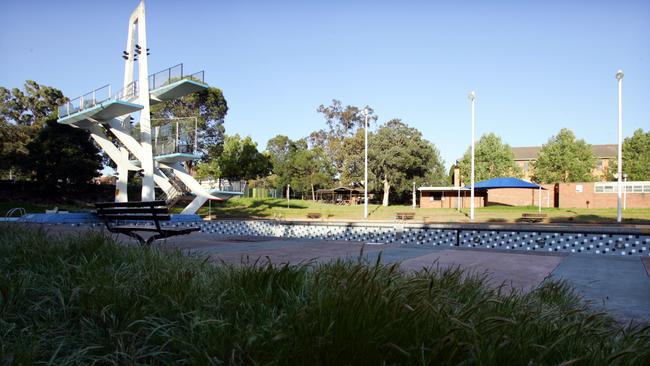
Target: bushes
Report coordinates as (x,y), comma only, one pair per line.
(83,299)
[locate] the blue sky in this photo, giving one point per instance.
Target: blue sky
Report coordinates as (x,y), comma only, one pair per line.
(536,66)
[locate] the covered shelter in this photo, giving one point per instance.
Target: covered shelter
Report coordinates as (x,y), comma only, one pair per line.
(339,195)
(496,183)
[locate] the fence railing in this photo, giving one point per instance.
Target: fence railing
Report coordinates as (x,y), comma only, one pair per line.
(86,101)
(225,185)
(156,80)
(174,136)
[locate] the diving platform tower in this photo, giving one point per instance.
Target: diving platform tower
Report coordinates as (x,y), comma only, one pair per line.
(157,152)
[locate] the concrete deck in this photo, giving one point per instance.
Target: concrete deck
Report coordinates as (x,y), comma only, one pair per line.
(618,285)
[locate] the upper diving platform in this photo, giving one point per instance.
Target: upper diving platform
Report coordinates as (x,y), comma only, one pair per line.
(102,104)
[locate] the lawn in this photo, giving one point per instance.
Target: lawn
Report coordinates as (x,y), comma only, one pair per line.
(298,209)
(86,299)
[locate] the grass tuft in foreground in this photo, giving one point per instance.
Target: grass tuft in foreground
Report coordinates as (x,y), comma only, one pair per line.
(84,299)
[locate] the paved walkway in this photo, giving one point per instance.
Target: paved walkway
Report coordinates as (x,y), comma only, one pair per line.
(618,285)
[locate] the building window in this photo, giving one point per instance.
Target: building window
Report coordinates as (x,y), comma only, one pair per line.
(629,187)
(526,163)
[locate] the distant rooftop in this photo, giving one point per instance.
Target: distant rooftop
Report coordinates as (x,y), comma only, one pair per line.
(532,152)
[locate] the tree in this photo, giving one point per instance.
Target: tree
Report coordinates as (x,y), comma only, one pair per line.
(636,157)
(310,168)
(31,106)
(210,107)
(564,159)
(342,125)
(280,149)
(22,114)
(398,155)
(240,159)
(295,163)
(63,154)
(492,159)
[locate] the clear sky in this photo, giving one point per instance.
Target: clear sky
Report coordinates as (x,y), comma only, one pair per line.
(536,66)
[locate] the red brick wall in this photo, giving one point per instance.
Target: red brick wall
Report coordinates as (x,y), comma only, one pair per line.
(569,197)
(450,200)
(521,197)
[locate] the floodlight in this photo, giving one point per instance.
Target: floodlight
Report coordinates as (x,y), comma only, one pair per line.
(619,74)
(471,96)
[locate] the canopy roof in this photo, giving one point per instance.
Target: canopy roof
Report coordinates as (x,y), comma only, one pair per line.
(505,183)
(339,190)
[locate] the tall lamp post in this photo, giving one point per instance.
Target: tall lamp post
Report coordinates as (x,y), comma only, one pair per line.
(619,77)
(365,173)
(472,98)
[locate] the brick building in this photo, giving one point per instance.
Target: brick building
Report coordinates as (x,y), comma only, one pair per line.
(562,195)
(525,156)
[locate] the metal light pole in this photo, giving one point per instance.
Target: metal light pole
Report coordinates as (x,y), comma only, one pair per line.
(288,194)
(472,98)
(365,173)
(619,77)
(625,191)
(414,196)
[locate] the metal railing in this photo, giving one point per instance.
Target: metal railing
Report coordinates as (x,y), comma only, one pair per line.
(165,77)
(86,101)
(224,185)
(156,80)
(175,136)
(127,93)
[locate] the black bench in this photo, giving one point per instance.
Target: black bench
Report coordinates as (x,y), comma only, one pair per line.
(404,215)
(532,217)
(114,215)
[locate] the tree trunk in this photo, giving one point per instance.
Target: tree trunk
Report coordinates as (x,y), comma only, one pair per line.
(386,192)
(313,193)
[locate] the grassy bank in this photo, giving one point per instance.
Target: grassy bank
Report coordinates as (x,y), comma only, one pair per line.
(85,299)
(298,209)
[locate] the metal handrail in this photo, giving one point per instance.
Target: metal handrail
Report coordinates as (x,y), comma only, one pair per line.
(131,91)
(21,211)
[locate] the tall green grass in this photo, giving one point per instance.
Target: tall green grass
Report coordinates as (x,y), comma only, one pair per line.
(86,299)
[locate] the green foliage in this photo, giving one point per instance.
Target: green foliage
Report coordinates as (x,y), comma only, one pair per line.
(398,155)
(492,159)
(31,106)
(296,164)
(22,114)
(210,107)
(564,159)
(62,153)
(342,142)
(239,159)
(636,157)
(88,300)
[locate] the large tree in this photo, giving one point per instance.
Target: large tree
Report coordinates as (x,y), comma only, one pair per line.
(636,157)
(210,107)
(239,159)
(310,168)
(30,106)
(22,114)
(564,159)
(63,154)
(298,164)
(343,125)
(281,149)
(492,159)
(398,155)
